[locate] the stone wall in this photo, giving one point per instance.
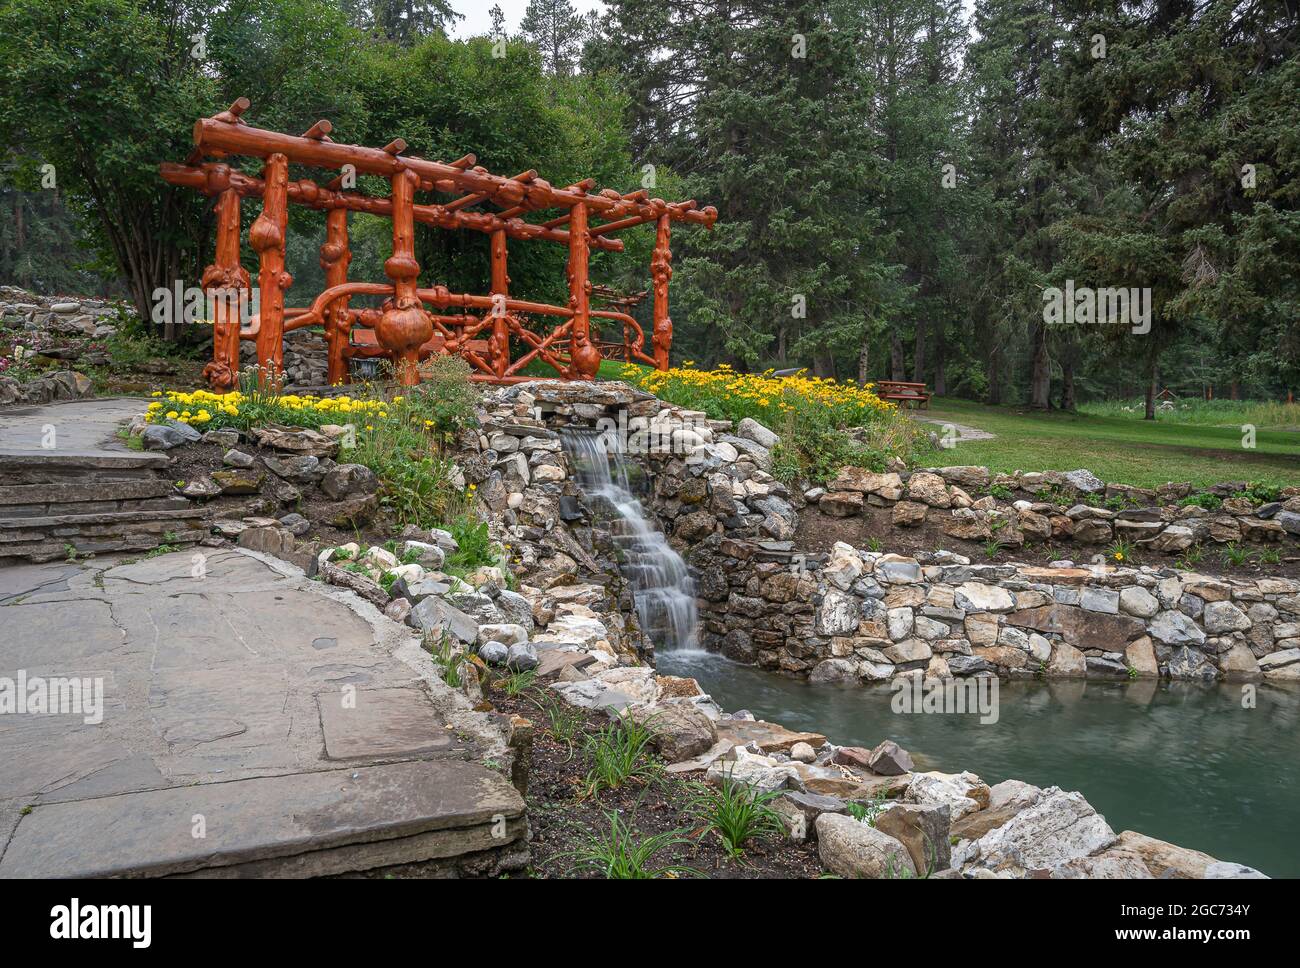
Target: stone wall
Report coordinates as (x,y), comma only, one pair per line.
(865,616)
(1062,506)
(861,615)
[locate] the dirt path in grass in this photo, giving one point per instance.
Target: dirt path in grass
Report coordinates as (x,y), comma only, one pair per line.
(964,432)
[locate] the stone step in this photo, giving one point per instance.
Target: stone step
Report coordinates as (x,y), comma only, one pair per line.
(10,528)
(47,493)
(90,460)
(295,825)
(55,548)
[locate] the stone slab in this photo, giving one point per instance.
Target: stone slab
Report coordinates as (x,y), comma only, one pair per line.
(379,722)
(277,818)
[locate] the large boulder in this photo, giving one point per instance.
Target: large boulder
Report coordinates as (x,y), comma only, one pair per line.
(924,829)
(928,489)
(1165,860)
(963,793)
(851,848)
(433,615)
(681,729)
(841,504)
(751,429)
(1057,828)
(348,481)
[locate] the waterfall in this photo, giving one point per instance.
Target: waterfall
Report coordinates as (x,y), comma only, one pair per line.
(661,584)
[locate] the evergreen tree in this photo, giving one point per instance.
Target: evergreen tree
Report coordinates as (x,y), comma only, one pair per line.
(558,31)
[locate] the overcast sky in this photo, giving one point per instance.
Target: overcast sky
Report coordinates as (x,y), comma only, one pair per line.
(477,20)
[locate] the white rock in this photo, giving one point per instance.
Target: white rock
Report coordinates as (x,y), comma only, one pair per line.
(1136,600)
(1056,829)
(978,597)
(952,789)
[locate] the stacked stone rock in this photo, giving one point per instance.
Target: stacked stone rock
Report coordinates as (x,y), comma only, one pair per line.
(1155,520)
(866,616)
(306,359)
(49,326)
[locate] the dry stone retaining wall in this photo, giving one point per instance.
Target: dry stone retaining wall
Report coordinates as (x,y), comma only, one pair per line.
(865,616)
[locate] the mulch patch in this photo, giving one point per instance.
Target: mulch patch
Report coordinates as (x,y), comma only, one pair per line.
(563,820)
(818,532)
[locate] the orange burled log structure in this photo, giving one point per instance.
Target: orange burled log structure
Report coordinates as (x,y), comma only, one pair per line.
(480,328)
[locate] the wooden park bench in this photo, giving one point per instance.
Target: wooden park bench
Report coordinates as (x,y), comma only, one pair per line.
(900,392)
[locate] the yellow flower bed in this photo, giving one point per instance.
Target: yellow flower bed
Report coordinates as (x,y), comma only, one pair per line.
(198,407)
(724,393)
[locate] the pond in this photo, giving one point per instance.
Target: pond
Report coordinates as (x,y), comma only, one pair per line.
(1181,762)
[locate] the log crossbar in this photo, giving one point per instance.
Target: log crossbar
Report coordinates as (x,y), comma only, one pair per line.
(403,329)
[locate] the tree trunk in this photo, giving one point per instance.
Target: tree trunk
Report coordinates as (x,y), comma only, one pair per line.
(940,354)
(995,372)
(823,363)
(1068,354)
(1153,374)
(1040,383)
(864,359)
(895,353)
(918,358)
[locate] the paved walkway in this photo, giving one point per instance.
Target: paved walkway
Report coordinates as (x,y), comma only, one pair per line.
(290,720)
(81,427)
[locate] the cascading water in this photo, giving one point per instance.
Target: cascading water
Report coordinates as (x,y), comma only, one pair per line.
(664,591)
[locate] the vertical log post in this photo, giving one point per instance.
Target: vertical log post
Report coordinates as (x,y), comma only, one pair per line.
(499,344)
(267,237)
(404,326)
(661,271)
(334,259)
(225,283)
(584,356)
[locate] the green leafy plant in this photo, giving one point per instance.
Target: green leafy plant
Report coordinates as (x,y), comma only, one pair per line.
(869,811)
(1206,500)
(992,547)
(1121,551)
(619,854)
(1270,556)
(735,813)
(564,722)
(1191,557)
(619,753)
(516,682)
(1234,554)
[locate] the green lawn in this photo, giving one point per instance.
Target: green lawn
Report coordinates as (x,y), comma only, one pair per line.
(1119,449)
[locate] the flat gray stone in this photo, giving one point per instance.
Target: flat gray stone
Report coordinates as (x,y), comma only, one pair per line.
(302,821)
(379,722)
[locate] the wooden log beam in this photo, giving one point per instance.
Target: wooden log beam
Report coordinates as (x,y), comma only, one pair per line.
(214,135)
(310,194)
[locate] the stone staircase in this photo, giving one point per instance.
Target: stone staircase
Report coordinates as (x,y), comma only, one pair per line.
(53,504)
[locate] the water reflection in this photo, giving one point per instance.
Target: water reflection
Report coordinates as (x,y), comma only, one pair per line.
(1180,761)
